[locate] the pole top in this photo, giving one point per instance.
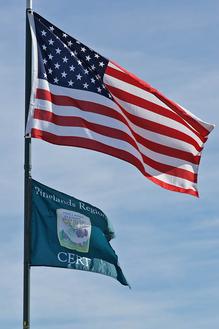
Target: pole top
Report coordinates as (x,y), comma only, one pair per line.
(28,4)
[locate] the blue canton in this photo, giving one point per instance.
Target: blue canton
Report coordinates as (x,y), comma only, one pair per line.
(66,62)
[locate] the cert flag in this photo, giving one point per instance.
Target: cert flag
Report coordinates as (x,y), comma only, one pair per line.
(70,233)
(83,99)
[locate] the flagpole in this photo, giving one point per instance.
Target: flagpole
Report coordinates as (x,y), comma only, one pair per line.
(27,179)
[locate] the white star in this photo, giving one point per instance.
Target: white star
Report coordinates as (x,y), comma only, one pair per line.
(50,56)
(65,46)
(64,35)
(88,58)
(70,83)
(97,77)
(64,74)
(99,90)
(58,51)
(44,61)
(57,65)
(72,54)
(79,77)
(44,47)
(72,68)
(78,42)
(101,64)
(45,75)
(43,33)
(93,67)
(92,80)
(51,42)
(50,71)
(56,80)
(79,62)
(65,59)
(51,28)
(85,85)
(104,87)
(86,71)
(83,49)
(96,56)
(109,95)
(70,43)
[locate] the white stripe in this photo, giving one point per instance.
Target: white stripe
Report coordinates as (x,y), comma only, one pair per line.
(86,133)
(110,64)
(115,143)
(34,72)
(165,140)
(106,121)
(75,93)
(157,118)
(92,97)
(165,159)
(114,82)
(206,125)
(153,98)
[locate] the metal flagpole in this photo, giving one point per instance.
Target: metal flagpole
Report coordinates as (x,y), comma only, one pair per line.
(27,180)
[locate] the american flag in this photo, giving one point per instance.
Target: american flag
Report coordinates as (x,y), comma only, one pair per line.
(80,98)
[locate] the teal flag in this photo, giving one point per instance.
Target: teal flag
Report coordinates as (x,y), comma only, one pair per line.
(70,233)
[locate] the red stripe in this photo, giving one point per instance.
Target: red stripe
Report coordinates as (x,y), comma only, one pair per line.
(147,124)
(170,170)
(126,78)
(169,151)
(113,133)
(195,124)
(149,105)
(72,121)
(97,146)
(107,111)
(83,105)
(176,108)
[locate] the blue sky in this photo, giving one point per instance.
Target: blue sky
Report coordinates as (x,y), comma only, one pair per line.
(167,242)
